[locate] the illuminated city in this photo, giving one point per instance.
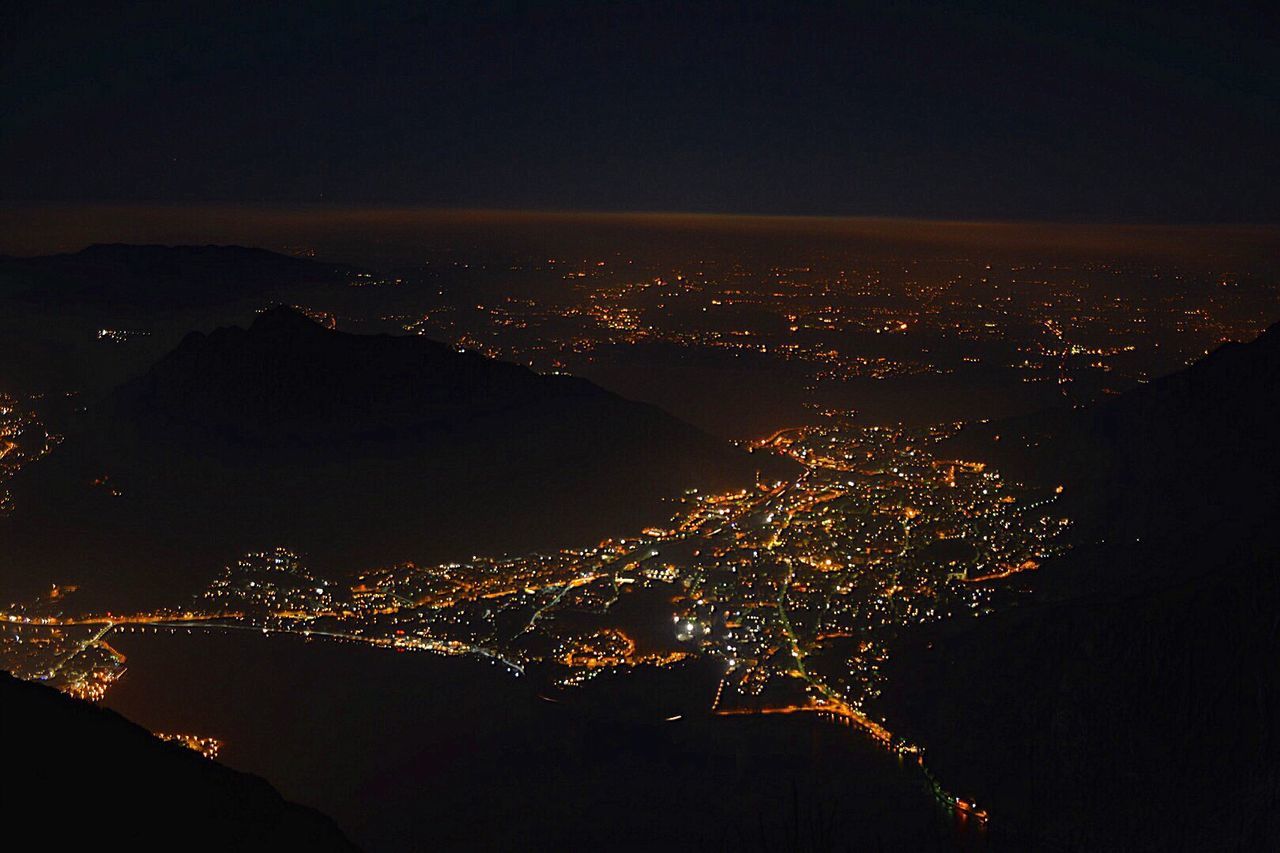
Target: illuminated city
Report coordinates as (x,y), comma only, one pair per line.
(798,587)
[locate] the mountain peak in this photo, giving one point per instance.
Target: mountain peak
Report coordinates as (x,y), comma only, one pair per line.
(358,449)
(283,320)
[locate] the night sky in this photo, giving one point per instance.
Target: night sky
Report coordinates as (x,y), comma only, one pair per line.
(1074,112)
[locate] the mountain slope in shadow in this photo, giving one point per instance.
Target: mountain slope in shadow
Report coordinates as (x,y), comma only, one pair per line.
(83,775)
(53,307)
(1134,702)
(1194,447)
(354,449)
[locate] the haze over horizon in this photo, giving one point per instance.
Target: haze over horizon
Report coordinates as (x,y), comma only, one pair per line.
(400,233)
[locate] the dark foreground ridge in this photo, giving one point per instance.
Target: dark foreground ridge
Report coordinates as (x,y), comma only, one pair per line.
(1134,704)
(353,449)
(71,764)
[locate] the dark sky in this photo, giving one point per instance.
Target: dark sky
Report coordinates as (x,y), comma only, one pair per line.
(1079,111)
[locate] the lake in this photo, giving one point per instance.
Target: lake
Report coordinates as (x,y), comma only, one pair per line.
(415,751)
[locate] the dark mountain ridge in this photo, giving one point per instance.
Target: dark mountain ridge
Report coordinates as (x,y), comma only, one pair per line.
(1133,703)
(287,382)
(1196,446)
(145,794)
(353,449)
(54,308)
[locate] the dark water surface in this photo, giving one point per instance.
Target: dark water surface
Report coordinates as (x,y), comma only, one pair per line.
(415,751)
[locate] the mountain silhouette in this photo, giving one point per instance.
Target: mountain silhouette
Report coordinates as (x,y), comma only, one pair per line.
(1196,446)
(354,450)
(1133,703)
(78,766)
(53,307)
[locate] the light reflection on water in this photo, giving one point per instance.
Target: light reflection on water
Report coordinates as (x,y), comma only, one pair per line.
(412,750)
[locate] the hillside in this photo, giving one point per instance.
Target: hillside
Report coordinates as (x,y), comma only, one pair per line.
(1193,447)
(54,308)
(351,449)
(1145,655)
(85,775)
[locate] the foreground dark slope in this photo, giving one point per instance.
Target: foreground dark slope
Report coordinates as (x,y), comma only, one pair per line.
(82,775)
(1134,703)
(352,449)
